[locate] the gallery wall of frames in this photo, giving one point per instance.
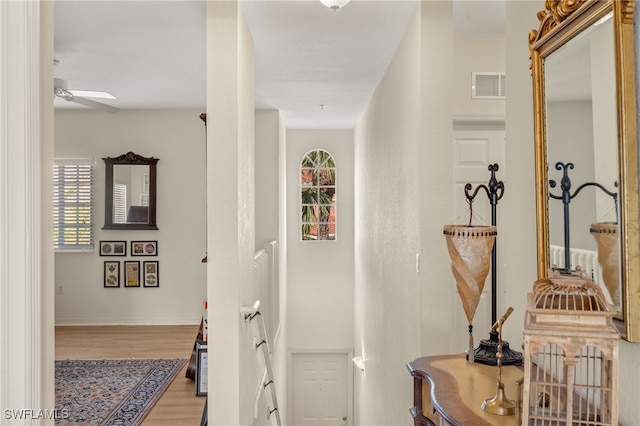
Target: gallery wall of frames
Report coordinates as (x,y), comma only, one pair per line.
(130,272)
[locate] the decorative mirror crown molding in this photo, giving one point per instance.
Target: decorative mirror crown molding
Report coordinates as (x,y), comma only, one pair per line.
(561,9)
(627,10)
(130,158)
(556,11)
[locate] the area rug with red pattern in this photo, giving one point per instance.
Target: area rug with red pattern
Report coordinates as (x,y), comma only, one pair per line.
(110,391)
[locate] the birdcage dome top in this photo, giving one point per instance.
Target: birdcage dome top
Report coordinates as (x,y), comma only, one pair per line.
(569,292)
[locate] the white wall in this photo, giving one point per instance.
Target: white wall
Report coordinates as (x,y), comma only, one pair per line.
(177,139)
(267,169)
(436,176)
(387,238)
(320,273)
(476,53)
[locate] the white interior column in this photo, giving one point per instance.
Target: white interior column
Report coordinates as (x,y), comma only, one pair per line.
(26,325)
(230,212)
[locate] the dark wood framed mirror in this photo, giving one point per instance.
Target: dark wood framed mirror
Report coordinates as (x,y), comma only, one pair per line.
(130,192)
(584,89)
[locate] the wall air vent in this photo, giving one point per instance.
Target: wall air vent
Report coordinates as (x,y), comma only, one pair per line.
(488,85)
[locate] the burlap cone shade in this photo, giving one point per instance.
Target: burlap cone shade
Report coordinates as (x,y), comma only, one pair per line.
(606,236)
(470,252)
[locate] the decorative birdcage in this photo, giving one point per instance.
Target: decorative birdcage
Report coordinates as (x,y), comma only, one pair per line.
(570,354)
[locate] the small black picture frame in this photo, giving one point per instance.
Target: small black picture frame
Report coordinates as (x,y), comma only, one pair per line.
(113,248)
(132,273)
(201,368)
(151,273)
(111,274)
(144,248)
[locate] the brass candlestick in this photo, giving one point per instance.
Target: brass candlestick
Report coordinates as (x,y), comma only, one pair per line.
(500,404)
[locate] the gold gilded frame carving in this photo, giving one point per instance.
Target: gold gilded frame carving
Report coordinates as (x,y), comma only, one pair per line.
(560,22)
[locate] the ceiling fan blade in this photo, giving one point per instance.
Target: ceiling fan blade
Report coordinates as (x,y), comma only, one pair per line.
(93,104)
(98,94)
(60,89)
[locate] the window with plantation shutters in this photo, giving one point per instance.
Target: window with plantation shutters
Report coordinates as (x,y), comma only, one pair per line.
(73,205)
(119,203)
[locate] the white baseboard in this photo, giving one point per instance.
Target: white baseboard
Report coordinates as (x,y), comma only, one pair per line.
(128,321)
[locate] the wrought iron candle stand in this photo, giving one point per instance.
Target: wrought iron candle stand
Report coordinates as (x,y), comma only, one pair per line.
(486,352)
(566,197)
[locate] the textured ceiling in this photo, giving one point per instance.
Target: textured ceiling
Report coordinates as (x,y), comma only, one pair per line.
(317,66)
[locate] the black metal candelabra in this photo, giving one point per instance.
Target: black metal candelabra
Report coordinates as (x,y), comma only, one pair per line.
(486,352)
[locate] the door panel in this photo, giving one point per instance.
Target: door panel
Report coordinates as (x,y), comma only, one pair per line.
(319,394)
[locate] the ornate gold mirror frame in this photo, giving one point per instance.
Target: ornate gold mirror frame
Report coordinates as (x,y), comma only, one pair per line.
(559,23)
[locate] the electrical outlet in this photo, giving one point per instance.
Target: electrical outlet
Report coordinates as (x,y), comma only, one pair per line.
(60,289)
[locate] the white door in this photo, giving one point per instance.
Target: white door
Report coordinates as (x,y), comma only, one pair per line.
(319,394)
(474,150)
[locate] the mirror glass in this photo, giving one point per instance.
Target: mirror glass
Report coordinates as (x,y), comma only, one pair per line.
(130,192)
(582,149)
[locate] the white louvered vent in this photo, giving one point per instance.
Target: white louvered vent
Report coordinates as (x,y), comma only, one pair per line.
(488,85)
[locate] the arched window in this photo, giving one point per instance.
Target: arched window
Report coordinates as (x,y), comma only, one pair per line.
(318,196)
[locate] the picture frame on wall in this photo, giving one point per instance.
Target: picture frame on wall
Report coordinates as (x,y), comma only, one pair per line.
(151,273)
(113,248)
(132,273)
(111,273)
(201,368)
(144,248)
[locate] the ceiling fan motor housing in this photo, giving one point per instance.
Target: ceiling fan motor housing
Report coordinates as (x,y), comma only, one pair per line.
(60,89)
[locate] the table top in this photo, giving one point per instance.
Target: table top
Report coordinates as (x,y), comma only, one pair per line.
(458,388)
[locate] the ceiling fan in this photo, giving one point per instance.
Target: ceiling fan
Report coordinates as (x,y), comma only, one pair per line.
(80,96)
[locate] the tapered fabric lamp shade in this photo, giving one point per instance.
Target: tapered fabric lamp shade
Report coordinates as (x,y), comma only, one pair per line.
(470,252)
(606,236)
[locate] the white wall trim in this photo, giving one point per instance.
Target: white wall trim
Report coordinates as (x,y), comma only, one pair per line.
(21,363)
(478,119)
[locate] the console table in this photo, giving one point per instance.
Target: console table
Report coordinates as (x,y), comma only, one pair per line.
(454,390)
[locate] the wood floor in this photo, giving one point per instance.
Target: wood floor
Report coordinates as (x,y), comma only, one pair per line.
(178,405)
